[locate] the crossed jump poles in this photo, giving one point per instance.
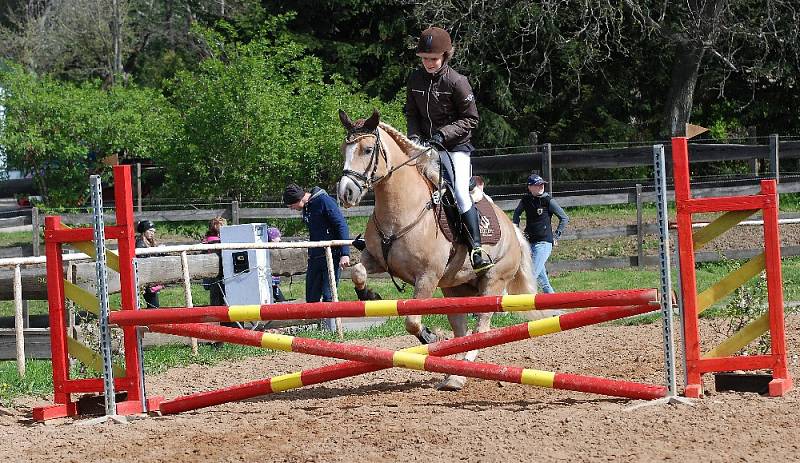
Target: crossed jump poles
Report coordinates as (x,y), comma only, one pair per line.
(362,359)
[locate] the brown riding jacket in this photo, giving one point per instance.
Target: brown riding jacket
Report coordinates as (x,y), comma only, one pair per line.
(441,102)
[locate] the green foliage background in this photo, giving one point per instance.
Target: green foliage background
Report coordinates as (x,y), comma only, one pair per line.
(235,104)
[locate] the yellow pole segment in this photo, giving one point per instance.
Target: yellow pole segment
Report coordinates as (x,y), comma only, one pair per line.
(731,281)
(90,358)
(719,226)
(83,298)
(87,247)
(741,338)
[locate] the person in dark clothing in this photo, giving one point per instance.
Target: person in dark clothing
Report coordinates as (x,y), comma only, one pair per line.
(216,285)
(147,239)
(440,111)
(274,236)
(539,208)
(325,222)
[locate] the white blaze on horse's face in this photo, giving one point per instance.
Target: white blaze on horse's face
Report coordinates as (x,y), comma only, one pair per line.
(349,193)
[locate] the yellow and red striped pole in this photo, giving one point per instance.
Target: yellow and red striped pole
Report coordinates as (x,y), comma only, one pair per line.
(439,349)
(451,305)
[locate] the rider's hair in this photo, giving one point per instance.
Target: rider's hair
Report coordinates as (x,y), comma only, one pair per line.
(448,55)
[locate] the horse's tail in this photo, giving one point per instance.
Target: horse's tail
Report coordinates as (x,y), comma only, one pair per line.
(523,282)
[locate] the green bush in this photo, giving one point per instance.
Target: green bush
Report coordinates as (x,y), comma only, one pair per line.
(60,133)
(257,116)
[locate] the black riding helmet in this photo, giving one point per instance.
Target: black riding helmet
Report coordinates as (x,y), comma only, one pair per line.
(144,225)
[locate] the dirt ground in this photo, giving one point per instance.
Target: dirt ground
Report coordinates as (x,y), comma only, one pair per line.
(396,415)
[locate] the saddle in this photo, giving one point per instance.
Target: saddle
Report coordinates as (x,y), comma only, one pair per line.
(446,210)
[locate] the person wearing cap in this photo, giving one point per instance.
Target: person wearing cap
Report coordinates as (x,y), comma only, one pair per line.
(539,208)
(440,111)
(147,239)
(216,285)
(274,236)
(325,222)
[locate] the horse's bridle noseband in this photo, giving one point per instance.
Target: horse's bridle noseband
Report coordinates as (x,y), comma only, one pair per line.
(366,180)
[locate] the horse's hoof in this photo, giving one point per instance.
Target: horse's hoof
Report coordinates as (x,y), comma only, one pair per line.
(452,383)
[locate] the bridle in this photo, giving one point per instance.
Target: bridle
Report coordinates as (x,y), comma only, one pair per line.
(367,179)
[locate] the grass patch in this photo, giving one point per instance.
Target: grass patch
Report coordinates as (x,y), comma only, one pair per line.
(17,238)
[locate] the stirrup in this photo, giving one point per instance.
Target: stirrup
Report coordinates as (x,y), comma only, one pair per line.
(484,265)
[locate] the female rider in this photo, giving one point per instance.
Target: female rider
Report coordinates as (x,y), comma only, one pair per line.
(440,110)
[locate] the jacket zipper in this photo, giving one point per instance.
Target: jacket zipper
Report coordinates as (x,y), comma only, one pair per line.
(428,111)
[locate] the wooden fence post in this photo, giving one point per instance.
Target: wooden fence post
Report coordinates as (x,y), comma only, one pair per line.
(35,227)
(774,154)
(139,187)
(639,227)
(18,323)
(235,212)
(187,292)
(547,166)
(751,134)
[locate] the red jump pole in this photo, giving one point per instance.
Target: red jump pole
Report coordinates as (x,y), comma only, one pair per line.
(352,368)
(452,305)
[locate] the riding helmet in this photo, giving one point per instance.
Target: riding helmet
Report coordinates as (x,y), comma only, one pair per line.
(434,40)
(144,225)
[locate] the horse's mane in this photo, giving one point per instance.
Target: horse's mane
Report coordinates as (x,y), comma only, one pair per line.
(428,164)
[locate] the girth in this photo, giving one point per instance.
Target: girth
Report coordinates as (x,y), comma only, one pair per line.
(388,240)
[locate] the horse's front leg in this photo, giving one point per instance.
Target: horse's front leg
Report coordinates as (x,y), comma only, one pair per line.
(423,289)
(459,324)
(460,328)
(359,272)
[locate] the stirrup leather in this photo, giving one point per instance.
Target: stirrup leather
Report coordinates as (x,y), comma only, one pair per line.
(483,265)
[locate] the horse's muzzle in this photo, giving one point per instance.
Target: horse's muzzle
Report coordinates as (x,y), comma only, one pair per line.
(349,192)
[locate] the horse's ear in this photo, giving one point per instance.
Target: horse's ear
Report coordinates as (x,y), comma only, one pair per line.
(372,123)
(346,122)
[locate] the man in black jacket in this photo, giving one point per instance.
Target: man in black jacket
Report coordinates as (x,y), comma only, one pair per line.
(325,222)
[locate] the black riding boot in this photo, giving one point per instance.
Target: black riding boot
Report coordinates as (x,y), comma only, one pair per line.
(477,255)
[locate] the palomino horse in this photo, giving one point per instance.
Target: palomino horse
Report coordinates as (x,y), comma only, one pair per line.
(379,157)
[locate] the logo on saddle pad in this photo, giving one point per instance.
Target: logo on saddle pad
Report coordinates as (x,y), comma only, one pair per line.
(486,226)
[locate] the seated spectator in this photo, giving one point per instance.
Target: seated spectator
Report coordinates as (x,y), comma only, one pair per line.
(274,235)
(476,186)
(215,285)
(147,239)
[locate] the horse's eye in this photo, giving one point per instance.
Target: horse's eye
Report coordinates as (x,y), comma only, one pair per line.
(368,151)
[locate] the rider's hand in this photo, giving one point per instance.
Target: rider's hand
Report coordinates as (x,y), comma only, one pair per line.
(437,139)
(344,261)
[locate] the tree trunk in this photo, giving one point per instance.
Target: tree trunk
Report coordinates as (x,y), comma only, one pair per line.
(116,36)
(678,107)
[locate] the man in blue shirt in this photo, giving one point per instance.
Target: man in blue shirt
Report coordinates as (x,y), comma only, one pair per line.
(539,208)
(325,222)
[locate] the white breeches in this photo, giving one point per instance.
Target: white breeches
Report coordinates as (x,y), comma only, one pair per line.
(458,161)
